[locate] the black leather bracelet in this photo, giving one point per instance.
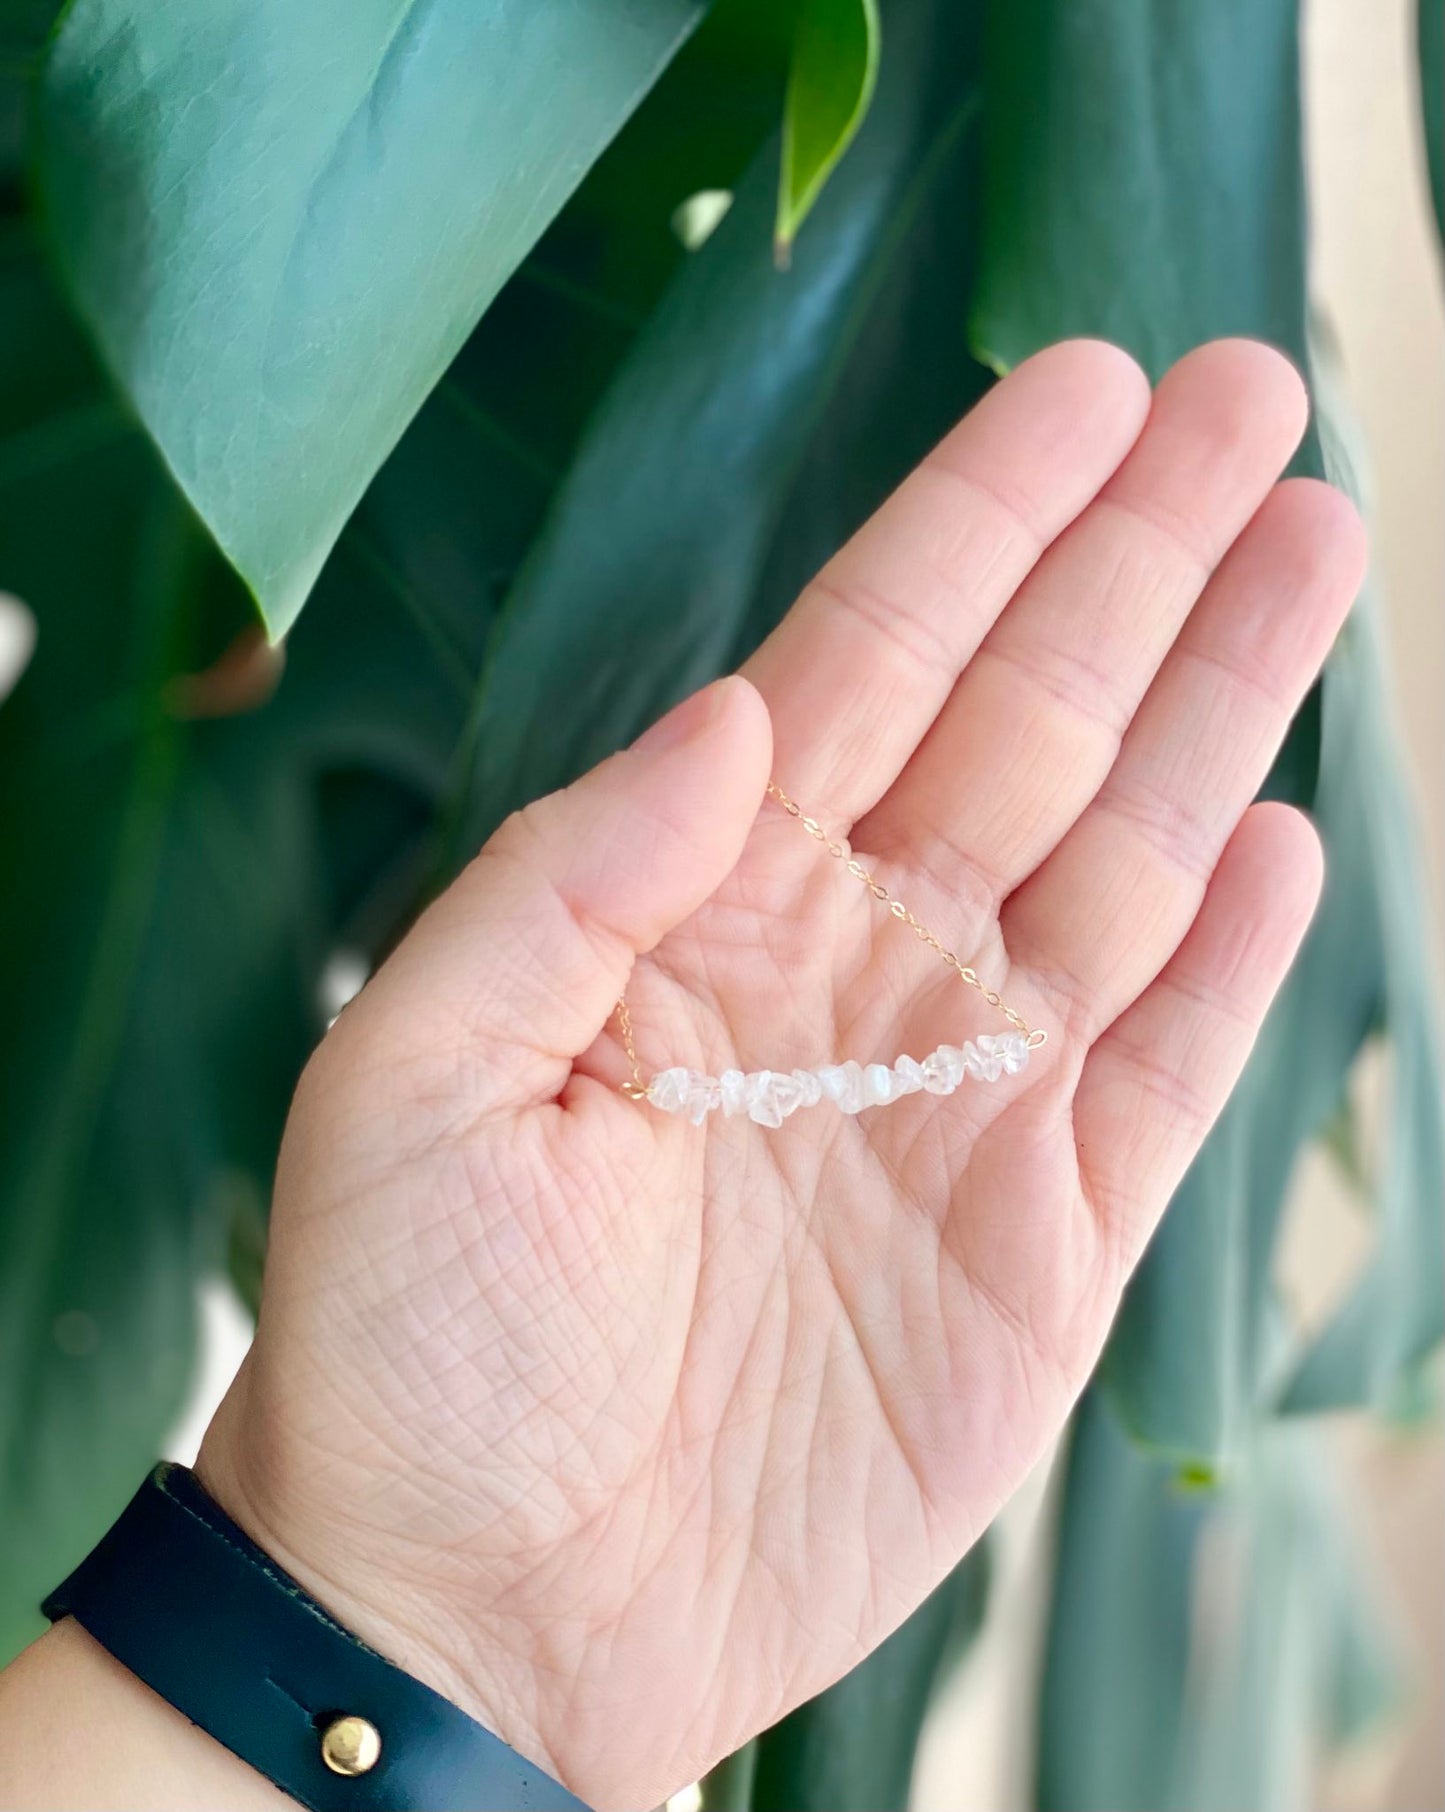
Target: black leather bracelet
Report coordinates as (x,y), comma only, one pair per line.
(189,1603)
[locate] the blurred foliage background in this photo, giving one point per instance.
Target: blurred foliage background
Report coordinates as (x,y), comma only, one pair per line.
(517,366)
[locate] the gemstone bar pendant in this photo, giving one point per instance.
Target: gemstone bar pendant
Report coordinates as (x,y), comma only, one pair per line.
(768,1097)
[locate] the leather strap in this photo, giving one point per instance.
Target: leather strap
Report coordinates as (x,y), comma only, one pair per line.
(190,1604)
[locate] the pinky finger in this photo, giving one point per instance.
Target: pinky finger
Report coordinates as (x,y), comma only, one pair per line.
(1156,1081)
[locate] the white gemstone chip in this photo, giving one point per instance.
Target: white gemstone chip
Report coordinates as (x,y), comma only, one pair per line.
(735,1092)
(1004,1055)
(704,1095)
(668,1090)
(879,1085)
(810,1090)
(942,1070)
(909,1074)
(979,1064)
(843,1083)
(787,1092)
(763,1103)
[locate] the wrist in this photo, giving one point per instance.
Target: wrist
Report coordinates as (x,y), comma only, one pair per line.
(81,1730)
(394,1608)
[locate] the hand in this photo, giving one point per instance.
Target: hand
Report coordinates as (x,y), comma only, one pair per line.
(630,1435)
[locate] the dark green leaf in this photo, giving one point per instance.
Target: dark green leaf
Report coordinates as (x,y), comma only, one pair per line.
(1145,184)
(1205,1649)
(852,1748)
(1125,199)
(1430,34)
(706,431)
(282,224)
(830,83)
(1393,1319)
(1111,1711)
(1144,177)
(273,835)
(122,880)
(729,1786)
(162,928)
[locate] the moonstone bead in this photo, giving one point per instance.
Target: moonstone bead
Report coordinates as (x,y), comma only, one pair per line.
(668,1090)
(763,1105)
(843,1083)
(981,1061)
(1003,1055)
(774,1095)
(879,1084)
(810,1090)
(908,1076)
(735,1092)
(704,1095)
(942,1070)
(789,1091)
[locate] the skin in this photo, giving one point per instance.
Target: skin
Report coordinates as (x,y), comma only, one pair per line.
(629,1436)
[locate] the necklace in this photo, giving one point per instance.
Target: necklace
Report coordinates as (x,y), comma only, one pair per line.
(769,1096)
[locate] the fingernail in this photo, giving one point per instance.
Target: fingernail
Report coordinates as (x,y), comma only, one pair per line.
(684,721)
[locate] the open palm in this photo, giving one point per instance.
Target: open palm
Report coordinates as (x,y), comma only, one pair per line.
(630,1434)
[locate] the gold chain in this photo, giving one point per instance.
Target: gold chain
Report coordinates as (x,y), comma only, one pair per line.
(636,1087)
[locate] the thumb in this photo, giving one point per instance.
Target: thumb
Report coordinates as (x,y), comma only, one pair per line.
(523,958)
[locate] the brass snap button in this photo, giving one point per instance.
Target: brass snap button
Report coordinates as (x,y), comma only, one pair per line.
(350,1746)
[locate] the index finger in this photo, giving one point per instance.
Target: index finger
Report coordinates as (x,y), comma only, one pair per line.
(862,664)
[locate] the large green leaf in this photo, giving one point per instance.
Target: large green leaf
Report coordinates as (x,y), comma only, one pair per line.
(1205,1649)
(282,223)
(1146,184)
(259,841)
(1126,200)
(1204,1346)
(1373,1350)
(172,890)
(121,889)
(1197,1351)
(645,577)
(174,887)
(1144,180)
(830,83)
(1110,1715)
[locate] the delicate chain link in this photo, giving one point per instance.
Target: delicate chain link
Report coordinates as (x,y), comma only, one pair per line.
(636,1088)
(841,852)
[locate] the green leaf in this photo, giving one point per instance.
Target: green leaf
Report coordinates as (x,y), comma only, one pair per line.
(281,225)
(1117,1653)
(1393,1319)
(122,877)
(1126,198)
(852,1748)
(1205,1649)
(1203,1345)
(721,395)
(1144,178)
(729,1786)
(274,835)
(162,927)
(1430,45)
(1145,183)
(830,83)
